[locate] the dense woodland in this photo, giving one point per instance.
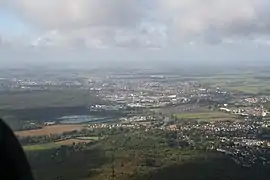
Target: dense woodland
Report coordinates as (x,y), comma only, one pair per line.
(138,156)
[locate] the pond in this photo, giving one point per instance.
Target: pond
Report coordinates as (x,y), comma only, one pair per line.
(78,119)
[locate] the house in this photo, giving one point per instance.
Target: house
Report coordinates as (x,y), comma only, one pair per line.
(49,123)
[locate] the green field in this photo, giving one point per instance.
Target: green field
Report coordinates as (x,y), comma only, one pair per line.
(95,138)
(209,116)
(40,147)
(46,146)
(244,81)
(249,87)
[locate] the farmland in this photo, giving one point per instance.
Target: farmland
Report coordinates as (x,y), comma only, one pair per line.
(53,145)
(89,138)
(40,147)
(245,82)
(71,141)
(206,116)
(47,130)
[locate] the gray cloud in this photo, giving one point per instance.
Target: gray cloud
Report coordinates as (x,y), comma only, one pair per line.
(228,18)
(90,23)
(105,23)
(99,38)
(60,14)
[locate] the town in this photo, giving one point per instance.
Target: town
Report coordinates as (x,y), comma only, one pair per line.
(189,114)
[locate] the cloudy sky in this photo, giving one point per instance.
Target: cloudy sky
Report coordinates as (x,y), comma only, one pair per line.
(143,29)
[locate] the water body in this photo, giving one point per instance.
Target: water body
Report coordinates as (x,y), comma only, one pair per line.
(78,119)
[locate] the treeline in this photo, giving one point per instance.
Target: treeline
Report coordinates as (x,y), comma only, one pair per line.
(17,124)
(41,139)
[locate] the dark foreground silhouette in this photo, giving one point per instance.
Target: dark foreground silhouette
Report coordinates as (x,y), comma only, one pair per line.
(14,164)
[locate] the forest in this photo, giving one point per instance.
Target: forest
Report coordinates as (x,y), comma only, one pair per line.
(124,154)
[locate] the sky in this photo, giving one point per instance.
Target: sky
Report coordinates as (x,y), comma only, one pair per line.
(177,30)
